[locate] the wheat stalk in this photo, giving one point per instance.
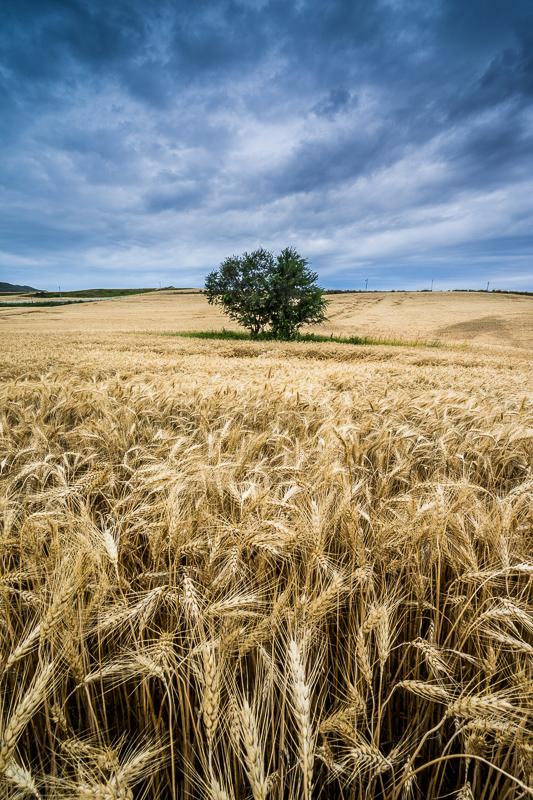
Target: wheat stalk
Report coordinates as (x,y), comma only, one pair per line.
(301,694)
(253,757)
(23,713)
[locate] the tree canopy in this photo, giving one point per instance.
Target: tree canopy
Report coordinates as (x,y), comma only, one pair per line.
(267,294)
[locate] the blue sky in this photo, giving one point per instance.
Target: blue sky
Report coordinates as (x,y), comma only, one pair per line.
(144,141)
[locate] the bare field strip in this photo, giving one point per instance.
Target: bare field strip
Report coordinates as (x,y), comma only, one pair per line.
(239,570)
(480,319)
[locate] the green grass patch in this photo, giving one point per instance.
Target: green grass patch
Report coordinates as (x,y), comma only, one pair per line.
(40,303)
(95,293)
(305,337)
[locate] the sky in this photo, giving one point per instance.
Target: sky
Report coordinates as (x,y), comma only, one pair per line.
(389,141)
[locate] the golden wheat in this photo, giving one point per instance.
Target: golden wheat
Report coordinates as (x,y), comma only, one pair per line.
(235,569)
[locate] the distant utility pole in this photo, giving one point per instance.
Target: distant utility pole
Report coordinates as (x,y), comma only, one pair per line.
(488,284)
(366,284)
(431,285)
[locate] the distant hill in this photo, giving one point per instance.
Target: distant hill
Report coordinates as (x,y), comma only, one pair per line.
(13,288)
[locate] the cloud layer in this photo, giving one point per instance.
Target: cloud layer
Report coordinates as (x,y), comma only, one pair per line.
(144,141)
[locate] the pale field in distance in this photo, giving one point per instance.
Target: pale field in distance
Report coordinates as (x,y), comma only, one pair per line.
(235,570)
(493,319)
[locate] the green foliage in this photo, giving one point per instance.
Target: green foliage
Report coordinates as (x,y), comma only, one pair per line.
(267,295)
(241,287)
(295,298)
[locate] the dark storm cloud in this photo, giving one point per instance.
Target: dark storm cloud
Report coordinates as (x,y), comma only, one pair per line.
(393,137)
(175,199)
(507,79)
(337,100)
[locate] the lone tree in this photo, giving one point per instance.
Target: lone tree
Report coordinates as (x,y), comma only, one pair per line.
(266,294)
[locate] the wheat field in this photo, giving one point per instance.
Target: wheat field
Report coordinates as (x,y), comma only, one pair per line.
(237,570)
(480,318)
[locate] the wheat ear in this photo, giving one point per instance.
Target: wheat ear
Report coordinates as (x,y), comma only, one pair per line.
(23,713)
(302,710)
